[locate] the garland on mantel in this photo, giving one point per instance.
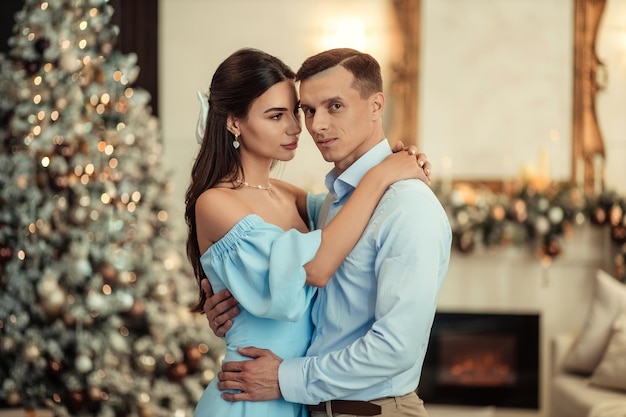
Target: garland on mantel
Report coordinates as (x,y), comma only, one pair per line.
(524,214)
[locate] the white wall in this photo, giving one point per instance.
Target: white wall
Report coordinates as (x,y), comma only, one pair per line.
(497,79)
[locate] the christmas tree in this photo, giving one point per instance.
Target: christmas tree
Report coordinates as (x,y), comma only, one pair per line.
(95,290)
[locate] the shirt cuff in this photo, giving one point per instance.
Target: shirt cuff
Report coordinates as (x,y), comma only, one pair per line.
(291,381)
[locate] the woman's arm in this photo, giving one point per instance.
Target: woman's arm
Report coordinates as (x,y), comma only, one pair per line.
(345,229)
(422,161)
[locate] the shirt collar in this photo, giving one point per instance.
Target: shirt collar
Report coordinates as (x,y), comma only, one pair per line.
(351,177)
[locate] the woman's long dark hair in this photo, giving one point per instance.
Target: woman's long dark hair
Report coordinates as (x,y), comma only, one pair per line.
(237,82)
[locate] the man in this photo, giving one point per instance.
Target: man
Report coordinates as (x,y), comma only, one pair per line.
(373,319)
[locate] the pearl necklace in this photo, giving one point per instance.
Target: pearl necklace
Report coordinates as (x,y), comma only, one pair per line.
(258,187)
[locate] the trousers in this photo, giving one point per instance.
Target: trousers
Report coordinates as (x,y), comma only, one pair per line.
(409,405)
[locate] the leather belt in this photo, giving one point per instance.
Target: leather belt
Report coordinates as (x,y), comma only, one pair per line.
(358,408)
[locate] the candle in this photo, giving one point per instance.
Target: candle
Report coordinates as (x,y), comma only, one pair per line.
(598,173)
(580,173)
(446,175)
(544,163)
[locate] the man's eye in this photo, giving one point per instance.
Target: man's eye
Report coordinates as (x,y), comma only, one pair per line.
(308,112)
(335,106)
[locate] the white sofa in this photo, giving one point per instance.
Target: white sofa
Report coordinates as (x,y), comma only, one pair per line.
(589,369)
(572,395)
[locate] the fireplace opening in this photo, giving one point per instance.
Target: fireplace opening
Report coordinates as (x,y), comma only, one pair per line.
(482,359)
(477,360)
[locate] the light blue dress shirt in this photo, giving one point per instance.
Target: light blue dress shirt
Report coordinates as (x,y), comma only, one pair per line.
(373,319)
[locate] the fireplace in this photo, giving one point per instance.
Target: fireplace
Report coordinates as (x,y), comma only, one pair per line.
(482,359)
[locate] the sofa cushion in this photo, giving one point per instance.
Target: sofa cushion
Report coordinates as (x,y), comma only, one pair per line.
(574,396)
(612,409)
(608,302)
(611,372)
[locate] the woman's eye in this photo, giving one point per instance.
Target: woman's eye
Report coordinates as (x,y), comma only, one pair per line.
(277,116)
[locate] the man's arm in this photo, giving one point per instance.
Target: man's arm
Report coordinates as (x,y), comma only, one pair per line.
(219,309)
(257,379)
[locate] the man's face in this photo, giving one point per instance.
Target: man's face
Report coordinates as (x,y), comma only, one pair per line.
(343,124)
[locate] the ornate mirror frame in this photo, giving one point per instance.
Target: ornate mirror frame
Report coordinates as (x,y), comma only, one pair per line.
(589,77)
(588,152)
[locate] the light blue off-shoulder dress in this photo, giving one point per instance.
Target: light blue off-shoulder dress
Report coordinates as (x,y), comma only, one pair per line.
(262,266)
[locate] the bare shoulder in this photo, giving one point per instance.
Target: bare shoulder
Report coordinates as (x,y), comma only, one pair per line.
(217,211)
(294,194)
(289,189)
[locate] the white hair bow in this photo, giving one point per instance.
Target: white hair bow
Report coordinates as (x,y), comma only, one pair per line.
(204,113)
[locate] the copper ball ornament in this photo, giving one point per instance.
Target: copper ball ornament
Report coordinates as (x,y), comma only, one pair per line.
(552,248)
(55,367)
(618,234)
(177,372)
(108,272)
(599,216)
(6,253)
(13,398)
(193,356)
(76,401)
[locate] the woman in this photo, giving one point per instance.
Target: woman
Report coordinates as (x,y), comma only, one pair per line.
(250,234)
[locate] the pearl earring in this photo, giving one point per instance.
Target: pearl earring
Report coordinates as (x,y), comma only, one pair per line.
(236,142)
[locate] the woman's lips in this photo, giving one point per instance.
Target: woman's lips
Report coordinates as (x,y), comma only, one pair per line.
(291,146)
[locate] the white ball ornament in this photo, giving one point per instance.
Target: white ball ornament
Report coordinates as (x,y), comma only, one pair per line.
(556,215)
(543,204)
(53,302)
(69,62)
(542,225)
(96,302)
(47,284)
(7,344)
(30,353)
(146,363)
(83,363)
(125,299)
(83,267)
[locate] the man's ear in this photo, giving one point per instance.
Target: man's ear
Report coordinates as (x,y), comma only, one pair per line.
(232,124)
(377,105)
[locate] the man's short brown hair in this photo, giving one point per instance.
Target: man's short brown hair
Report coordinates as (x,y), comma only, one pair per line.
(365,69)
